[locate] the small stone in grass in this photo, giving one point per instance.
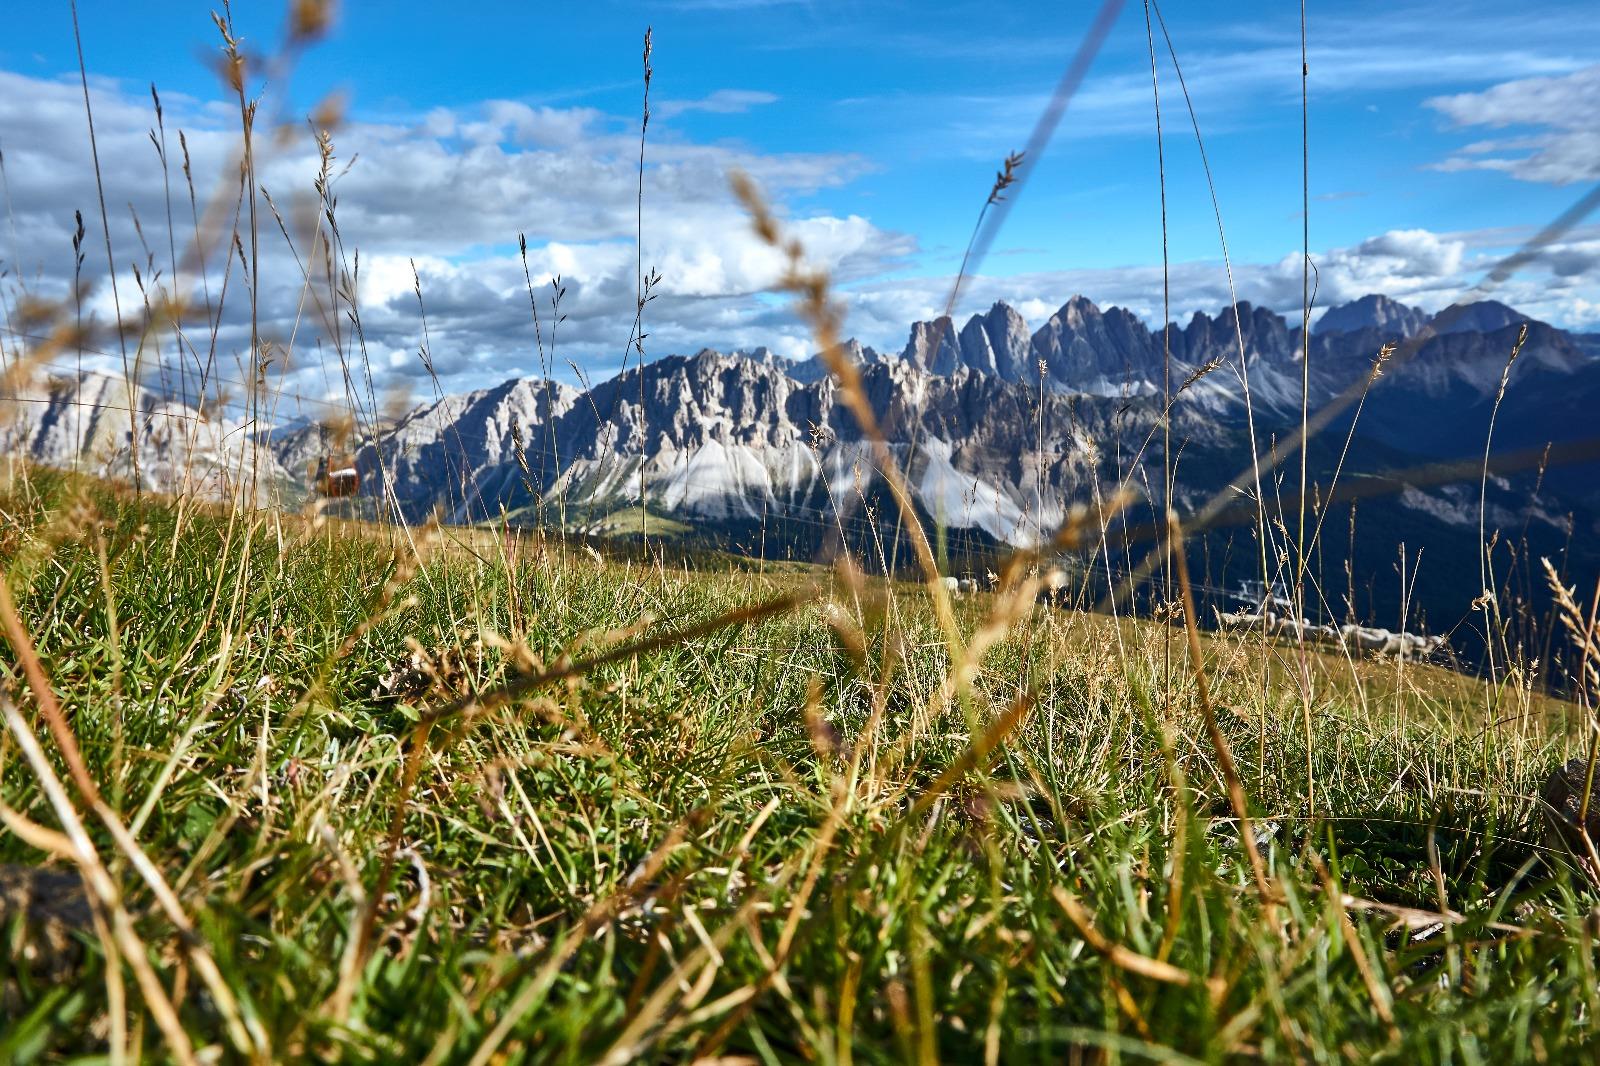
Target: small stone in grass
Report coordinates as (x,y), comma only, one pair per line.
(1563,804)
(43,911)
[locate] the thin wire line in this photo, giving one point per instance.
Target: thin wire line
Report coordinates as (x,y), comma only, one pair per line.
(105,226)
(1166,346)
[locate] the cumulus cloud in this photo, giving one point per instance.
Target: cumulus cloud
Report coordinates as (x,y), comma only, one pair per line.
(1400,263)
(1561,143)
(439,200)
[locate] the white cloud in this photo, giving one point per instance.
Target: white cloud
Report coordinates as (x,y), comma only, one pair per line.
(1230,85)
(721,102)
(520,124)
(1400,263)
(1427,269)
(1563,146)
(450,191)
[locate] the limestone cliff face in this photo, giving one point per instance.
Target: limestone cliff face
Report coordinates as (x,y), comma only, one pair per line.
(1374,311)
(988,440)
(728,437)
(97,424)
(751,435)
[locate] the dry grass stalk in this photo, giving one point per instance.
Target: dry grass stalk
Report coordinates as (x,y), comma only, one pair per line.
(1121,956)
(1219,743)
(243,1033)
(102,889)
(811,288)
(1585,635)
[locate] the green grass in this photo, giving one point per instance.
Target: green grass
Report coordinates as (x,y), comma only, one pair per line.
(743,845)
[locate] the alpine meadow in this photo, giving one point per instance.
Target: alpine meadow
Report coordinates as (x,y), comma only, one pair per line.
(763,531)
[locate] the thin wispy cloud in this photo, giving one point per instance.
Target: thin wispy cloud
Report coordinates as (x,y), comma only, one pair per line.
(721,102)
(1228,88)
(1561,144)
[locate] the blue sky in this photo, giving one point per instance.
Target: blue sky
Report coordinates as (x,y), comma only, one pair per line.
(1440,135)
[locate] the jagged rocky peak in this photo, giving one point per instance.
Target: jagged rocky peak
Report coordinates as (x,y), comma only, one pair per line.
(998,343)
(101,424)
(688,400)
(1393,319)
(1085,347)
(933,346)
(431,451)
(995,342)
(1079,308)
(1264,333)
(807,371)
(1484,316)
(528,400)
(1087,350)
(761,355)
(705,371)
(1266,327)
(858,353)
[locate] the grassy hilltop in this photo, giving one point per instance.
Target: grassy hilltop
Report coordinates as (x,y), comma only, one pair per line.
(449,795)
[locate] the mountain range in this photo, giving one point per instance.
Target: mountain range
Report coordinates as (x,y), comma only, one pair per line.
(999,428)
(101,424)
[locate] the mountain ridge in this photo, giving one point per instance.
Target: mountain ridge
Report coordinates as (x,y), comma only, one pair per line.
(748,432)
(999,431)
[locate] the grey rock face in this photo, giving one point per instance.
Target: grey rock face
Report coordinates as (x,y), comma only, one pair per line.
(460,450)
(1264,336)
(816,368)
(998,343)
(737,436)
(933,346)
(1562,800)
(1089,351)
(729,437)
(1485,316)
(1097,352)
(1391,318)
(98,424)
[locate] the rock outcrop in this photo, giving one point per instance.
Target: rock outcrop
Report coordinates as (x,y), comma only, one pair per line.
(98,424)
